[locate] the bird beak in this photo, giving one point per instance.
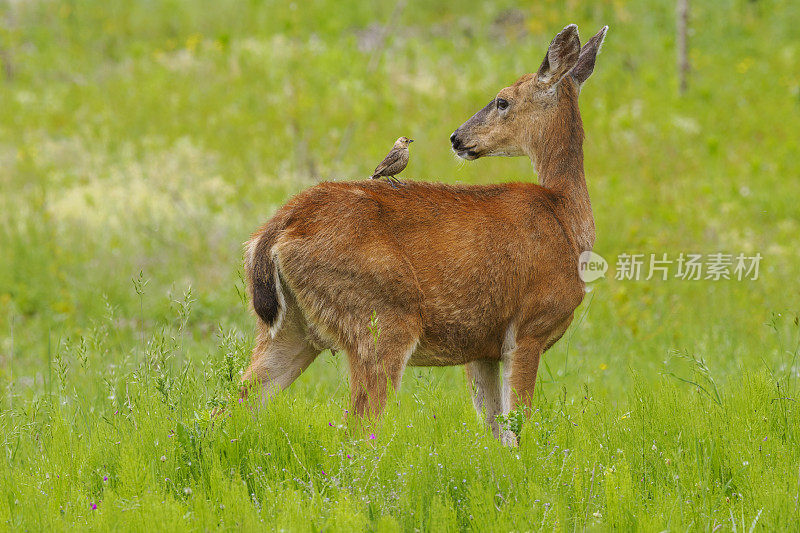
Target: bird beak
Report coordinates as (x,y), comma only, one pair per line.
(411,140)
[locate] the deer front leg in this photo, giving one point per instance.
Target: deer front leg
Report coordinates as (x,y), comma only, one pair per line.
(520,367)
(524,361)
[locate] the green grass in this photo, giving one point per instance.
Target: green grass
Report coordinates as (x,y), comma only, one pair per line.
(141,143)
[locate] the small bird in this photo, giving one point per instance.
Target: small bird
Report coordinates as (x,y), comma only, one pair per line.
(394,162)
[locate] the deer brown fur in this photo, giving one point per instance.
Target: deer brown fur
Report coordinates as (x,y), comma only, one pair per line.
(473,275)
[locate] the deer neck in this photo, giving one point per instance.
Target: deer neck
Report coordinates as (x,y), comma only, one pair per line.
(557,156)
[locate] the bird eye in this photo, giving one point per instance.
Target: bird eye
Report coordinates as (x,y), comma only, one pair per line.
(502,103)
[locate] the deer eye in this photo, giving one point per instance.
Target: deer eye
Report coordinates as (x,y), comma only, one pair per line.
(502,103)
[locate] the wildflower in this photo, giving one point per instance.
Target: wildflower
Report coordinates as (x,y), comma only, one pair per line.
(163,458)
(94,507)
(372,436)
(330,424)
(349,456)
(105,478)
(323,473)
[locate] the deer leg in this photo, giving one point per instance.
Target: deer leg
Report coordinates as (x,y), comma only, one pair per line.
(520,367)
(524,365)
(484,381)
(373,370)
(277,362)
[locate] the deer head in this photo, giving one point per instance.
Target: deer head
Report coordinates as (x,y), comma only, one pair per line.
(521,119)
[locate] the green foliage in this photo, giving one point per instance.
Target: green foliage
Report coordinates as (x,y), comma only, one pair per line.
(140,144)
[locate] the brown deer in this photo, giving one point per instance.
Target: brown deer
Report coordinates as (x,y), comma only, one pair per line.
(451,275)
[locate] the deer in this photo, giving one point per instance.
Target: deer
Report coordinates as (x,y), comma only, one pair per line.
(485,276)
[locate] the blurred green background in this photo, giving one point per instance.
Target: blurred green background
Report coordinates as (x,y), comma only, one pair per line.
(142,142)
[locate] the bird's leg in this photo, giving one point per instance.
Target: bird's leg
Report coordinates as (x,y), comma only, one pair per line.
(394,181)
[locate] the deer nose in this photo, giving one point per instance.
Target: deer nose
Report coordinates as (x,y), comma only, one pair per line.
(454,140)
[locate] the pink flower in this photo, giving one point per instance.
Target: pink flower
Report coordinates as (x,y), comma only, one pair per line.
(323,473)
(372,436)
(94,507)
(105,478)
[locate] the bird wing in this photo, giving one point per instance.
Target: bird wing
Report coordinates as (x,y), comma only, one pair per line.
(391,158)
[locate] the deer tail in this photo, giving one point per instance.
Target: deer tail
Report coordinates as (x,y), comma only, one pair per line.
(263,281)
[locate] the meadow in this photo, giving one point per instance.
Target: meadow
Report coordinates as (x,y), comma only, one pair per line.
(142,142)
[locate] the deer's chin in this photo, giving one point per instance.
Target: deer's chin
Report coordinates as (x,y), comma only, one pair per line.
(503,153)
(469,154)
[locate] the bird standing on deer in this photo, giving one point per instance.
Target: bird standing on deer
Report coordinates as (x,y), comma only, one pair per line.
(394,162)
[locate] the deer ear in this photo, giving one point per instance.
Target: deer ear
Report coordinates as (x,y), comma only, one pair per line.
(585,65)
(561,56)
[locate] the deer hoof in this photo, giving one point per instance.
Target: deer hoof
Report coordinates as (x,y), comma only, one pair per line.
(508,438)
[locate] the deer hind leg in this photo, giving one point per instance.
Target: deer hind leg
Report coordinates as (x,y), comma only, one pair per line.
(278,361)
(484,382)
(374,367)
